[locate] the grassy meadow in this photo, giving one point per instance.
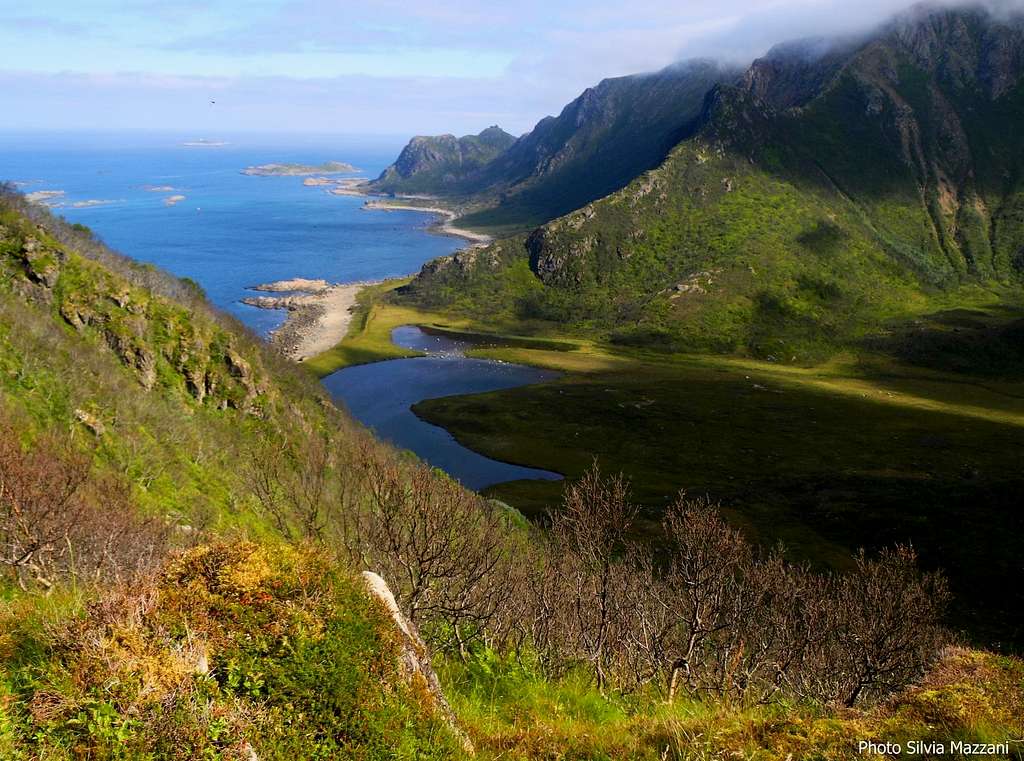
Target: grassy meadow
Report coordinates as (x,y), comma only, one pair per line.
(872,447)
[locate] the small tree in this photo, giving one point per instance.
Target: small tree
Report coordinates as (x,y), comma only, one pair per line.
(441,547)
(292,484)
(888,625)
(590,533)
(706,589)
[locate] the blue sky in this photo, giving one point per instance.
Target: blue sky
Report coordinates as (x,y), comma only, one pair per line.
(362,66)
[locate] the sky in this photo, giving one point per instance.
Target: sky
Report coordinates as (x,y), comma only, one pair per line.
(394,67)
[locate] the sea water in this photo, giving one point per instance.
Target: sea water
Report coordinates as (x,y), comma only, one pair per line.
(231,231)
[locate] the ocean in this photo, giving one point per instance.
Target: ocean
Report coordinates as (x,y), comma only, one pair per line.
(231,231)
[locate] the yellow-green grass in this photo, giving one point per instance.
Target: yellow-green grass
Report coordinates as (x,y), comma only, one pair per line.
(511,713)
(821,459)
(369,334)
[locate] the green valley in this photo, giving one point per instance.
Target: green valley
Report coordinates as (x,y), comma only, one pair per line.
(784,307)
(811,311)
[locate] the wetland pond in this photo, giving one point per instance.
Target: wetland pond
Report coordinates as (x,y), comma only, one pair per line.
(381,395)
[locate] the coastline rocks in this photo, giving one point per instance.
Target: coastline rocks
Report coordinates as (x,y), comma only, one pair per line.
(318,314)
(290,303)
(295,284)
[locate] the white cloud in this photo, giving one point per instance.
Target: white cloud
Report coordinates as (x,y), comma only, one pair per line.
(475,62)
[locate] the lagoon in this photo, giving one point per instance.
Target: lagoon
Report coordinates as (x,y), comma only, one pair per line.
(381,396)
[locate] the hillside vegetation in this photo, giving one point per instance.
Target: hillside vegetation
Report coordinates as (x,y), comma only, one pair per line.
(824,197)
(168,489)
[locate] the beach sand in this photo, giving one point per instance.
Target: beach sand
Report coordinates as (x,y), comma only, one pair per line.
(319,312)
(445,228)
(318,316)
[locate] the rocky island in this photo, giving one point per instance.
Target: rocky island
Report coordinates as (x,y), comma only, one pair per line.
(298,170)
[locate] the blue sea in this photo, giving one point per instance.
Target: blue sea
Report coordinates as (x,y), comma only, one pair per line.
(231,231)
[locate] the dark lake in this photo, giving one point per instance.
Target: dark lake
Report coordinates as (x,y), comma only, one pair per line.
(380,395)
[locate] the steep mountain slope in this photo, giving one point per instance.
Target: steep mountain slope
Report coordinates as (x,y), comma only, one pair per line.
(137,421)
(835,186)
(600,141)
(443,164)
(598,144)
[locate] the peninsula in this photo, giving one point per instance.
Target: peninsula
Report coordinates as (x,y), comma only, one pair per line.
(318,314)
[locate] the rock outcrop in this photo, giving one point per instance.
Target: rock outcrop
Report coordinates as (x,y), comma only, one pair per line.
(157,340)
(415,656)
(441,164)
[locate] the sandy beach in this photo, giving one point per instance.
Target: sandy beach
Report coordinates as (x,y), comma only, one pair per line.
(444,228)
(318,314)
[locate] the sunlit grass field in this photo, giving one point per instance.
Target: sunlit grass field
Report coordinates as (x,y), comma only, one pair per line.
(864,449)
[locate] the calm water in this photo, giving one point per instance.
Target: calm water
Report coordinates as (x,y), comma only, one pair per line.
(231,231)
(444,372)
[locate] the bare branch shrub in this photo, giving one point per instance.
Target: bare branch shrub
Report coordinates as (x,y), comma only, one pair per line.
(888,627)
(707,594)
(441,548)
(717,617)
(292,484)
(589,538)
(57,519)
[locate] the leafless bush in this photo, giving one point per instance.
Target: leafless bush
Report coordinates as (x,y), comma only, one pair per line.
(590,533)
(706,592)
(717,617)
(57,519)
(887,624)
(293,483)
(440,547)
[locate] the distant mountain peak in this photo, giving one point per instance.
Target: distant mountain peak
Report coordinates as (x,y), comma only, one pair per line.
(428,163)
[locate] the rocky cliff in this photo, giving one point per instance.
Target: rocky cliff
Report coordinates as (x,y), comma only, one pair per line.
(442,164)
(598,143)
(835,182)
(154,337)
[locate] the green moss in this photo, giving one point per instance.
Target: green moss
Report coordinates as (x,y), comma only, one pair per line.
(301,664)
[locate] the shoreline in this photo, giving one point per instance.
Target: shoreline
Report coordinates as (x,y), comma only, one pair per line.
(479,240)
(318,314)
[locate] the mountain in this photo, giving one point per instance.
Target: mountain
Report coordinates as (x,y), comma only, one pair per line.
(441,164)
(835,185)
(599,142)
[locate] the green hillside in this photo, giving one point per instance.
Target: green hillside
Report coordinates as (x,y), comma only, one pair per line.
(598,143)
(183,517)
(820,200)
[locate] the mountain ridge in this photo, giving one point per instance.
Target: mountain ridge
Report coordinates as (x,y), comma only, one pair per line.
(887,176)
(597,144)
(442,162)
